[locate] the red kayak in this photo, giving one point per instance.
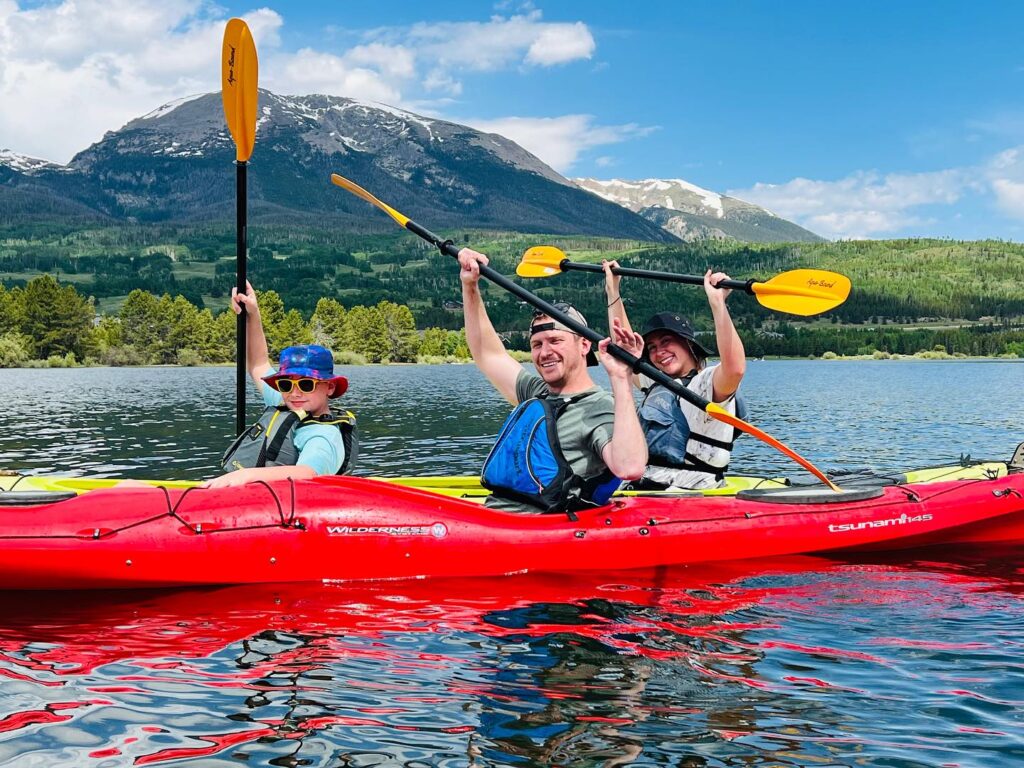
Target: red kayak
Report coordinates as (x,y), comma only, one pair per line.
(345,528)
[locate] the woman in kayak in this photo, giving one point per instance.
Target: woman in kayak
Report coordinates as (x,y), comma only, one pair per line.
(298,436)
(688,448)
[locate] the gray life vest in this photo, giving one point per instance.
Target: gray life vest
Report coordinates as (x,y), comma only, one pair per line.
(668,432)
(270,442)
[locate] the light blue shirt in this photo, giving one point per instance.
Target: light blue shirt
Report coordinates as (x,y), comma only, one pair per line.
(320,446)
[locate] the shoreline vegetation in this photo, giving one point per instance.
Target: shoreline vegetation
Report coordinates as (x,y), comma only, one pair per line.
(155,294)
(524,357)
(46,324)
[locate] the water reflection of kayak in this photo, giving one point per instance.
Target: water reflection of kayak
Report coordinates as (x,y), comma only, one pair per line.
(65,533)
(73,633)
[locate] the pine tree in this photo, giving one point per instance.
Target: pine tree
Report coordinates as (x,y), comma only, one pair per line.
(57,319)
(328,324)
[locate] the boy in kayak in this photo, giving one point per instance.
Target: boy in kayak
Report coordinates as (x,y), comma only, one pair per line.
(297,437)
(568,444)
(688,448)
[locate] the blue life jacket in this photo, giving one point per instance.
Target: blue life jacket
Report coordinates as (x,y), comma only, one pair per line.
(667,431)
(527,465)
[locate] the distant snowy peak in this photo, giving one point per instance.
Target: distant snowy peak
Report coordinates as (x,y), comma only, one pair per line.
(25,164)
(671,194)
(693,213)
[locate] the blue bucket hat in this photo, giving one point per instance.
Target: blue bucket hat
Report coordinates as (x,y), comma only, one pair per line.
(310,360)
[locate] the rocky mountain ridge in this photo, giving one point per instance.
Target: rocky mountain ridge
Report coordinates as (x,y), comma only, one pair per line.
(174,164)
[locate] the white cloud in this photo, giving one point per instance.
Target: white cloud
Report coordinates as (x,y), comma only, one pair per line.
(559,141)
(561,43)
(439,80)
(71,70)
(392,61)
(1005,175)
(1010,196)
(309,71)
(868,204)
(396,61)
(864,204)
(497,43)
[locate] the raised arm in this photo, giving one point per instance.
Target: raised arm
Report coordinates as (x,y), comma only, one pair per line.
(733,358)
(617,307)
(489,354)
(626,453)
(257,356)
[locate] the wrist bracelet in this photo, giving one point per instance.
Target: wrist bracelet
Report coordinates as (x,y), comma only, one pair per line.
(612,304)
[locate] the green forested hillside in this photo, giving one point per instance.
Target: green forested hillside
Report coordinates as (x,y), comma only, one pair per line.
(935,285)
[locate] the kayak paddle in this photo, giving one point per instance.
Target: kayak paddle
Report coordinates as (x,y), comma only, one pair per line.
(239,74)
(797,292)
(638,365)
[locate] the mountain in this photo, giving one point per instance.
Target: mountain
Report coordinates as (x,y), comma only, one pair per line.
(31,188)
(175,164)
(692,213)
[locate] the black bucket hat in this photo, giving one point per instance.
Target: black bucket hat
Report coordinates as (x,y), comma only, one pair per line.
(677,324)
(574,314)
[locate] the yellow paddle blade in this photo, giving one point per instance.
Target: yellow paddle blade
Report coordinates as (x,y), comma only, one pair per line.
(541,261)
(239,76)
(358,191)
(719,413)
(803,291)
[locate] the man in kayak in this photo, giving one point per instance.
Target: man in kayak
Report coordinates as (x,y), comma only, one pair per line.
(568,444)
(298,436)
(688,448)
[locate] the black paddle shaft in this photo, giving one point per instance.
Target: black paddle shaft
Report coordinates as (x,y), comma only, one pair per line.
(241,238)
(669,277)
(638,365)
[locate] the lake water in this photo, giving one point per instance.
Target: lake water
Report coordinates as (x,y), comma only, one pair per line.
(899,662)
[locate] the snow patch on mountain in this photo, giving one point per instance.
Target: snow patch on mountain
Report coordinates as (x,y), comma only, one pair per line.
(170,107)
(25,164)
(637,195)
(400,113)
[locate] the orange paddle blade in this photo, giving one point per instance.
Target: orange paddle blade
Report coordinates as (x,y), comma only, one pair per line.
(239,76)
(719,413)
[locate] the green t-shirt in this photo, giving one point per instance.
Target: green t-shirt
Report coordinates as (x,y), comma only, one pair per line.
(584,429)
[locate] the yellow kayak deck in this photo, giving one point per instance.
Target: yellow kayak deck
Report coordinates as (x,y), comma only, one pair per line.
(468,486)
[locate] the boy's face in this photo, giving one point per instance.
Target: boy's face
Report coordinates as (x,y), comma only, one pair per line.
(314,402)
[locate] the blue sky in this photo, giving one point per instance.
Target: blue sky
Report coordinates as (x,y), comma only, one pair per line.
(865,119)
